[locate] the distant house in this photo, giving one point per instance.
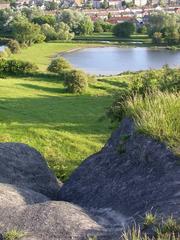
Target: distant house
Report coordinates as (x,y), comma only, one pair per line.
(140,3)
(4,5)
(115,20)
(97,3)
(115,3)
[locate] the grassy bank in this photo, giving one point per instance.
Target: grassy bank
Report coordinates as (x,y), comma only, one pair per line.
(65,128)
(41,54)
(158,116)
(108,36)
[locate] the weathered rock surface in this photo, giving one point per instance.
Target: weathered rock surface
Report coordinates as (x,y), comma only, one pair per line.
(11,195)
(49,220)
(24,167)
(132,174)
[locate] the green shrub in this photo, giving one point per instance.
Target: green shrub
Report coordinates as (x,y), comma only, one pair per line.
(58,65)
(16,67)
(157,115)
(150,219)
(143,84)
(76,81)
(168,230)
(124,29)
(6,53)
(3,54)
(14,46)
(157,37)
(170,80)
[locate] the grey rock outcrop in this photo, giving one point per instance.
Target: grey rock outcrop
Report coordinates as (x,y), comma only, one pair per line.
(27,188)
(50,220)
(24,167)
(132,174)
(11,195)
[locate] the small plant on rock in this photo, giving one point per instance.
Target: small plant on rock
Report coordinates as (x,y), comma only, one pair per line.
(149,219)
(13,234)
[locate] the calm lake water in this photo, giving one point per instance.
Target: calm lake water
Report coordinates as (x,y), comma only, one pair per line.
(2,48)
(114,60)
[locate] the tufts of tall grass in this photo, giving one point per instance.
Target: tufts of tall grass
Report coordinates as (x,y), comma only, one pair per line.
(158,115)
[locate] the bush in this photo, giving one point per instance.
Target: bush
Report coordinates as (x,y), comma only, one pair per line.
(58,65)
(16,67)
(14,46)
(124,29)
(143,84)
(5,53)
(142,30)
(98,27)
(157,37)
(76,81)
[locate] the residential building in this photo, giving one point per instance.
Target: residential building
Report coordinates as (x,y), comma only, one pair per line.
(4,5)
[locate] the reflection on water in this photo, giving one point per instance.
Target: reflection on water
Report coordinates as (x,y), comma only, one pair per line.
(114,60)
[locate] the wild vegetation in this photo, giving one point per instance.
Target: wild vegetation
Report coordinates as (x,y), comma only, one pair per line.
(36,109)
(20,29)
(168,229)
(13,234)
(153,100)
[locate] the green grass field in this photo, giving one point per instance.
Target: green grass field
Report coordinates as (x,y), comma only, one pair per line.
(37,111)
(108,36)
(65,128)
(41,54)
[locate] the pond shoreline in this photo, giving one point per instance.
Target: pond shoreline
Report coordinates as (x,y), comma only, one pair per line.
(113,59)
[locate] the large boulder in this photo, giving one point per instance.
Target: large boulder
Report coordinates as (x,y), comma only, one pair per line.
(49,220)
(132,174)
(24,167)
(10,195)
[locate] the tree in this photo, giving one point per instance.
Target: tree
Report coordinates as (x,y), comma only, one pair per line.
(157,37)
(5,18)
(172,36)
(50,6)
(142,29)
(105,4)
(63,32)
(49,19)
(124,29)
(14,46)
(86,26)
(77,21)
(89,4)
(49,32)
(26,32)
(98,27)
(159,22)
(31,13)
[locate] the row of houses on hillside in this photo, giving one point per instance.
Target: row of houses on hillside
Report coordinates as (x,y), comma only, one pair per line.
(129,14)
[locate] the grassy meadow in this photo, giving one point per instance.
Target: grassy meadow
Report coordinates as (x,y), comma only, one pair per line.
(158,116)
(67,128)
(108,36)
(41,54)
(37,111)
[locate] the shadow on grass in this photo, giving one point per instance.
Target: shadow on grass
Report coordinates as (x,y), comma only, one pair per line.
(36,76)
(80,114)
(42,88)
(114,83)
